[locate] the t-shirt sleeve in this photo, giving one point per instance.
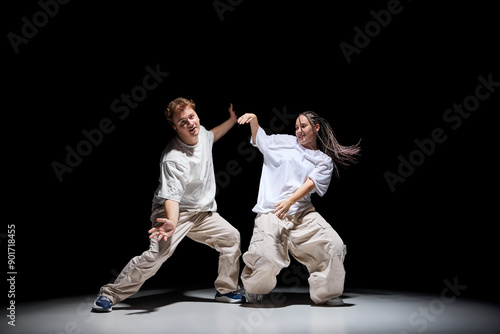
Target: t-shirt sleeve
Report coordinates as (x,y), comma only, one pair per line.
(209,134)
(174,177)
(260,139)
(322,175)
(264,141)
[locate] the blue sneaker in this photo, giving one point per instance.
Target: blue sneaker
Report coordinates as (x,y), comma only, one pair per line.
(102,304)
(230,297)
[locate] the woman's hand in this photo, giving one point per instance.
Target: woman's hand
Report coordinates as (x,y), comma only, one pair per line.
(163,229)
(254,124)
(247,118)
(282,208)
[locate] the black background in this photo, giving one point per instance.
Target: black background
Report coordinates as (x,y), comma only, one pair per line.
(76,235)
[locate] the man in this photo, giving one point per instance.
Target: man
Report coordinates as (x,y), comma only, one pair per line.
(183,205)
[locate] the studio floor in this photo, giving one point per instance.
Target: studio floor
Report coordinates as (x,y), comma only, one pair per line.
(286,310)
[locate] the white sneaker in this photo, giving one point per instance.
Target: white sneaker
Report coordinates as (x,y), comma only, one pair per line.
(253,298)
(337,301)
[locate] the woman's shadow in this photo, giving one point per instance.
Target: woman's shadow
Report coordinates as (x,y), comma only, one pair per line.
(289,298)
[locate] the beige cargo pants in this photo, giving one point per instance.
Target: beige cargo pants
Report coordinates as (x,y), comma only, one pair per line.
(208,228)
(310,240)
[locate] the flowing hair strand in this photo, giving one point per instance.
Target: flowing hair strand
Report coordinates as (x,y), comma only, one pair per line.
(327,142)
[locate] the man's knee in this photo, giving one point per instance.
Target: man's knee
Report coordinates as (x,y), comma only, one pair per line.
(234,235)
(231,238)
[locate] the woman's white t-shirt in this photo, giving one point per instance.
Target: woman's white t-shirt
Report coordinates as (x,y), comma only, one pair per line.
(287,165)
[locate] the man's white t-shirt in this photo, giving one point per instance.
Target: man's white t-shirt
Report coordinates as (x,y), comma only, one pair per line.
(187,174)
(287,165)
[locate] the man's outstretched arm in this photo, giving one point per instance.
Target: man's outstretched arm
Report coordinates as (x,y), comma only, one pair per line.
(220,130)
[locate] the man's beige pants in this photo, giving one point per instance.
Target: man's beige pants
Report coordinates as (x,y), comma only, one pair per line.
(208,228)
(310,240)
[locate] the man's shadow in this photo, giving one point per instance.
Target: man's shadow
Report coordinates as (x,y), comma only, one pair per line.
(150,303)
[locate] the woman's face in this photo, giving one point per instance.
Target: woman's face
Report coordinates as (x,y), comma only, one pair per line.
(305,132)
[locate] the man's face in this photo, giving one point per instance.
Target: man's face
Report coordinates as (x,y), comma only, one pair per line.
(187,125)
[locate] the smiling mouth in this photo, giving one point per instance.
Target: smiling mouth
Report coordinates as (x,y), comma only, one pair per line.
(192,129)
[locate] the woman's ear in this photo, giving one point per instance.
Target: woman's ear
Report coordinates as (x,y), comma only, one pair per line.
(317,126)
(175,128)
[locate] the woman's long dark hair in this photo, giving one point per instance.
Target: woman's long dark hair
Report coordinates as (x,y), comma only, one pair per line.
(328,144)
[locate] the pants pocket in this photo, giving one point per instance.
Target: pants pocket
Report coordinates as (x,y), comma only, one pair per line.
(254,253)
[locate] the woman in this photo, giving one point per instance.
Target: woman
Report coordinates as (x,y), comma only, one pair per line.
(294,168)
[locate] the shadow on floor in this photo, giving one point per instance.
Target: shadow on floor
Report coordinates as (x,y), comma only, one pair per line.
(280,299)
(276,299)
(150,303)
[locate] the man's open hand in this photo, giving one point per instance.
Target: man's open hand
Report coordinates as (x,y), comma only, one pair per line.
(163,229)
